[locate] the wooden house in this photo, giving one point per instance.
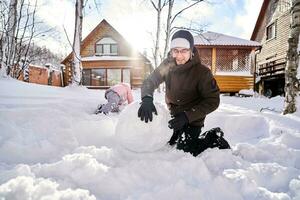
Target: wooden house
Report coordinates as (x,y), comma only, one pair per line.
(108,59)
(272,31)
(44,75)
(230,59)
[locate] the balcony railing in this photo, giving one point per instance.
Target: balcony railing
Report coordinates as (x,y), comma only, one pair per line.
(273,68)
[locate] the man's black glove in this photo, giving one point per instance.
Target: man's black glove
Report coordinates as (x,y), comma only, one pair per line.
(179,121)
(146,109)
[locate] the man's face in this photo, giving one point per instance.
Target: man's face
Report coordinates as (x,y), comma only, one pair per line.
(181,55)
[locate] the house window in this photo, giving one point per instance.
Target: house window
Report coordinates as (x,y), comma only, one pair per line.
(113,76)
(271,31)
(114,49)
(98,77)
(106,46)
(126,76)
(86,74)
(106,49)
(99,49)
(105,77)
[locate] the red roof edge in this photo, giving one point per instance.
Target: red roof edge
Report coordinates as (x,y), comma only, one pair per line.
(259,19)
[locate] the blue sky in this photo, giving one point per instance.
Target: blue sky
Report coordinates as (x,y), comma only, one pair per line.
(135,19)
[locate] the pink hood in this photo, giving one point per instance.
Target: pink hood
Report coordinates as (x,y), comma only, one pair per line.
(124,91)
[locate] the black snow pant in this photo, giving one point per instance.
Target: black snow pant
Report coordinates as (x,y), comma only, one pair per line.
(189,139)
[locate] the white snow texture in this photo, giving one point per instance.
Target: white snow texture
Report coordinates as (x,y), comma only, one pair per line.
(139,136)
(52,147)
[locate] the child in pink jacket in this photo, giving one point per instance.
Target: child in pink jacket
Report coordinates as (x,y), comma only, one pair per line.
(116,96)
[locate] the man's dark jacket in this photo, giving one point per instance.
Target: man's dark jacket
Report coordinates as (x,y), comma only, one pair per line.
(190,88)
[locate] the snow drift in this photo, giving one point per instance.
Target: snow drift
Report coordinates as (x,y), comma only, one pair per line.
(52,146)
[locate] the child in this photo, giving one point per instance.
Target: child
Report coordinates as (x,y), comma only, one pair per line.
(116,96)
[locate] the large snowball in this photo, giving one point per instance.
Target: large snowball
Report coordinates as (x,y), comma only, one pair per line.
(136,135)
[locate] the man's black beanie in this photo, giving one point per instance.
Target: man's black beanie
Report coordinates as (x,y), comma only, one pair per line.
(186,35)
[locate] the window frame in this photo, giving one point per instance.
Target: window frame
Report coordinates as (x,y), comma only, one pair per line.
(106,76)
(110,43)
(111,49)
(101,47)
(271,28)
(110,72)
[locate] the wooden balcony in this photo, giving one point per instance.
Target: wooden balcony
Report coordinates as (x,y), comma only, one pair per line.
(272,69)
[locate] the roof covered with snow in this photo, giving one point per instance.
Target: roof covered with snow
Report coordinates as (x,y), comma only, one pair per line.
(211,38)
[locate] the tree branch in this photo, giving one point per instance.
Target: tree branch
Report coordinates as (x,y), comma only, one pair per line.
(153,4)
(70,43)
(181,11)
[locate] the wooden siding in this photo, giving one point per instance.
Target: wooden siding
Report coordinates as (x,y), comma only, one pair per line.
(41,75)
(56,79)
(38,75)
(111,64)
(274,48)
(227,83)
(234,83)
(139,68)
(88,48)
(271,59)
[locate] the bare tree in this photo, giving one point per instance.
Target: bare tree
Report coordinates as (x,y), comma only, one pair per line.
(168,29)
(76,65)
(291,81)
(158,7)
(76,45)
(171,19)
(8,41)
(3,25)
(31,35)
(19,29)
(158,55)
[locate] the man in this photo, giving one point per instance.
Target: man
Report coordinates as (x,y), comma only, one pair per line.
(191,94)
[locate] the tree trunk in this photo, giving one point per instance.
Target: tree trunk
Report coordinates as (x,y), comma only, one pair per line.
(168,31)
(157,39)
(171,19)
(291,81)
(77,68)
(8,41)
(26,61)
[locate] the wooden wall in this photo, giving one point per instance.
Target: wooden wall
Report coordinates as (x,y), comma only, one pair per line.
(88,46)
(138,67)
(56,79)
(38,75)
(227,83)
(275,48)
(42,76)
(234,83)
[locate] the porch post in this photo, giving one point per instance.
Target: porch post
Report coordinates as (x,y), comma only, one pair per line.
(214,61)
(253,66)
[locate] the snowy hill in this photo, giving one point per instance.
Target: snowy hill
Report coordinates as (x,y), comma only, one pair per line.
(52,146)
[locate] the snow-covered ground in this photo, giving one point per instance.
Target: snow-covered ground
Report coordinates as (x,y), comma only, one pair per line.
(52,146)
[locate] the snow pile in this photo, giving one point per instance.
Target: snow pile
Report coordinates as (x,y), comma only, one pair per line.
(84,168)
(140,136)
(52,146)
(38,188)
(247,92)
